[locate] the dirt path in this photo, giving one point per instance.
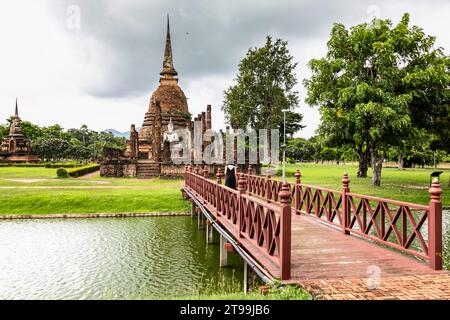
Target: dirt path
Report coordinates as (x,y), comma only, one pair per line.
(91,175)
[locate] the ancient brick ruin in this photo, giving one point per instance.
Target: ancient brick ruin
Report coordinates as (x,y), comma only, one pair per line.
(148,152)
(15,147)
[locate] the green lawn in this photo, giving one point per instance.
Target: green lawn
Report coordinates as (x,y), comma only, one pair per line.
(26,173)
(50,201)
(277,292)
(24,190)
(407,185)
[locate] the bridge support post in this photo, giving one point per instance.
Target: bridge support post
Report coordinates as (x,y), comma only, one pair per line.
(192,209)
(200,218)
(345,204)
(209,232)
(245,276)
(223,252)
(435,225)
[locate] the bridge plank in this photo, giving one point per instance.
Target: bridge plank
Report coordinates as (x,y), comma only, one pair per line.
(322,252)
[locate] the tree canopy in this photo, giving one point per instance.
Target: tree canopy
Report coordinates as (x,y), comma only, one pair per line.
(376,85)
(54,143)
(264,88)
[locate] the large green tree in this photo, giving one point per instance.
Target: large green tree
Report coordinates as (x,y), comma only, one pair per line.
(376,84)
(264,88)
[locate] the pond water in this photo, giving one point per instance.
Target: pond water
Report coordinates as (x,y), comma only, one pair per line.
(129,258)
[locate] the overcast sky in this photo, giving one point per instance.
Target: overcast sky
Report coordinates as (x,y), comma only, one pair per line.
(101,69)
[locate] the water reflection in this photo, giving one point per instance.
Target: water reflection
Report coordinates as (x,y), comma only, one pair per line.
(108,259)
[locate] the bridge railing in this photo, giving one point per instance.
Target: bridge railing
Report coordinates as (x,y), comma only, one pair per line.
(266,225)
(412,228)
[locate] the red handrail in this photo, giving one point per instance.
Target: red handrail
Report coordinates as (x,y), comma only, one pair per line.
(266,225)
(390,222)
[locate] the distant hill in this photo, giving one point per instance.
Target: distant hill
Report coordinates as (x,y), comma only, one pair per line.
(118,133)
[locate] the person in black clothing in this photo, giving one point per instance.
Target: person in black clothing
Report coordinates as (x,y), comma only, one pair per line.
(230,176)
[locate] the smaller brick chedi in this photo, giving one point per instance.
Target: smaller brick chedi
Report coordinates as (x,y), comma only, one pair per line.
(148,152)
(15,147)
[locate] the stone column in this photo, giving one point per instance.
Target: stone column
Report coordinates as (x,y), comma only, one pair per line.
(204,121)
(157,132)
(208,117)
(133,142)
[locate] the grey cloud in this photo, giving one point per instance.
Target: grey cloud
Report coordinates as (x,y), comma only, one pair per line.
(208,37)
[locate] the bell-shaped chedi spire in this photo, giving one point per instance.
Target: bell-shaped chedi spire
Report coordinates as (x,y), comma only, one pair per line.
(15,129)
(168,70)
(16,114)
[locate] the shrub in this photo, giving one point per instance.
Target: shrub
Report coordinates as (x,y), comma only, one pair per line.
(81,171)
(43,165)
(23,165)
(64,165)
(62,173)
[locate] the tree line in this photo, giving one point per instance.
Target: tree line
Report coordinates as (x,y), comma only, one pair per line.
(382,91)
(316,150)
(53,143)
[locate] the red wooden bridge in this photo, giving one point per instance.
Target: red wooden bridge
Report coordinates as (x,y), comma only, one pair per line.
(335,243)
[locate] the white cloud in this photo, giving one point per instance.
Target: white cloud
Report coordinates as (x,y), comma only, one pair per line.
(103,75)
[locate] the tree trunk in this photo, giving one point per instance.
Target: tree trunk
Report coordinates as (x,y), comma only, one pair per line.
(401,161)
(363,160)
(377,165)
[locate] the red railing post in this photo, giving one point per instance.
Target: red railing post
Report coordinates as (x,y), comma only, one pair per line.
(219,175)
(268,182)
(435,226)
(285,231)
(345,204)
(297,195)
(242,187)
(249,174)
(205,186)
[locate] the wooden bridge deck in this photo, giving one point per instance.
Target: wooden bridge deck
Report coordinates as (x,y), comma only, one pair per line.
(324,260)
(322,252)
(332,265)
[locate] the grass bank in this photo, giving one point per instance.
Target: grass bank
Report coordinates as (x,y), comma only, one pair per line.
(291,292)
(53,201)
(39,191)
(409,185)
